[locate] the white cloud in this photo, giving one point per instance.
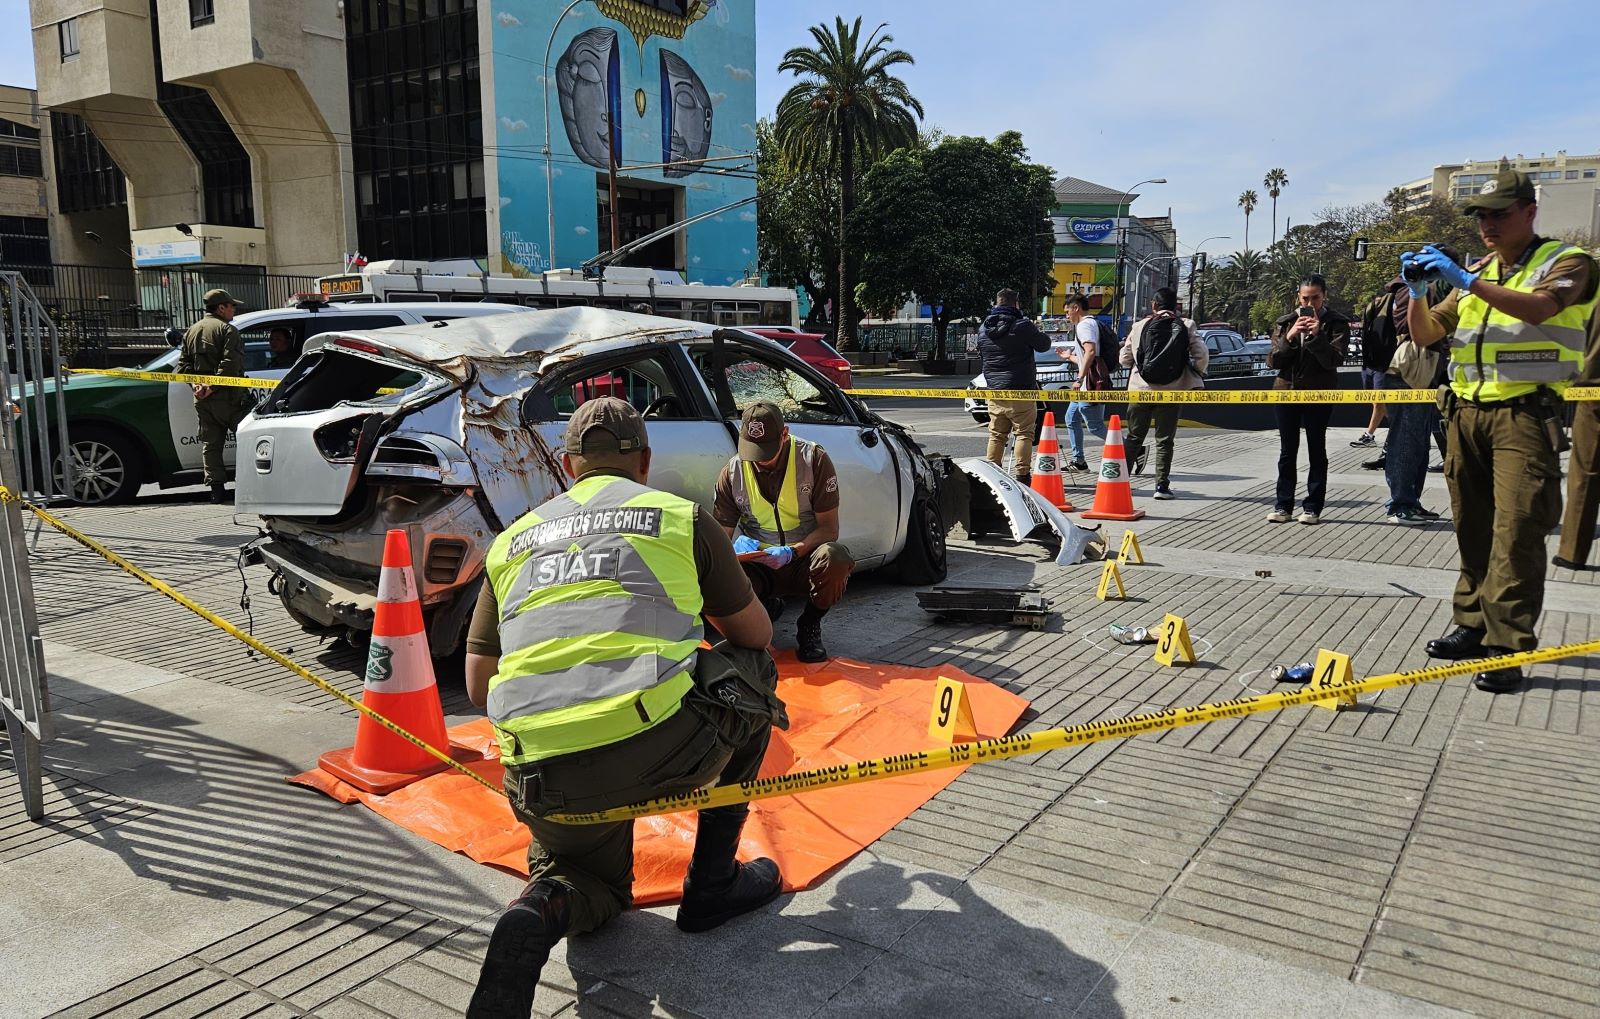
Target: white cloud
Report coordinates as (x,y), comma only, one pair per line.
(747,216)
(504,201)
(695,260)
(718,97)
(739,73)
(507,19)
(513,125)
(750,129)
(580,230)
(745,251)
(716,219)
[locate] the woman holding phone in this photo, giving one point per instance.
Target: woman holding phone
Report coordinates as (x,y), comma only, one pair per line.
(1307,346)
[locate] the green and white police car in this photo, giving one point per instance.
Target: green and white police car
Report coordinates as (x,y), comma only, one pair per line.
(126,433)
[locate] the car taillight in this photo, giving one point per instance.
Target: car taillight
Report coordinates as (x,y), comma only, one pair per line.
(837,362)
(350,343)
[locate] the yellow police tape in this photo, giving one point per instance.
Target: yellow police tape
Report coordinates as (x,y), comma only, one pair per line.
(981,751)
(162,587)
(1573,393)
(193,380)
(1022,744)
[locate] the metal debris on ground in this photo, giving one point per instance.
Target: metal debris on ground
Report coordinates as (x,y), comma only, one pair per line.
(1007,605)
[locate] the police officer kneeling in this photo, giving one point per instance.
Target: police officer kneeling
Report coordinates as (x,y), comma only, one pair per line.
(585,647)
(1518,318)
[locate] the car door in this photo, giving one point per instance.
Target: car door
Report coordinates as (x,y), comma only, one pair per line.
(874,501)
(688,443)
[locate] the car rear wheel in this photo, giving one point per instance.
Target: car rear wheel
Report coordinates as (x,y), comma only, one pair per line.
(106,468)
(924,560)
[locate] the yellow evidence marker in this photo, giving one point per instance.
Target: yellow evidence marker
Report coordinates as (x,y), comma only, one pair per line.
(1108,573)
(1172,641)
(951,721)
(1130,545)
(1332,670)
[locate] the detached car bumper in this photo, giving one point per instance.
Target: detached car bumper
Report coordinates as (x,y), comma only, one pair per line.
(325,601)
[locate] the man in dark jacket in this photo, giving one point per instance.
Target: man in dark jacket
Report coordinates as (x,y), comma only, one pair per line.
(1007,343)
(1308,345)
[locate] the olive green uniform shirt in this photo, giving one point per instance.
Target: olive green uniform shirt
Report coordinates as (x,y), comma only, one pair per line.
(724,588)
(212,347)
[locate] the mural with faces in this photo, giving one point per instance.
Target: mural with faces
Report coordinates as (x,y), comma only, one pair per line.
(632,82)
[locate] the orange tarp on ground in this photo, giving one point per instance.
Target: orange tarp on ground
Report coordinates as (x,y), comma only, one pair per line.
(839,712)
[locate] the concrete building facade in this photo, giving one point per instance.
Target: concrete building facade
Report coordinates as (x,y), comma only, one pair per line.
(1569,189)
(1093,226)
(283,135)
(24,198)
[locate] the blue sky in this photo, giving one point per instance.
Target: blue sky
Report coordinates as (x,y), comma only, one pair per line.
(1350,98)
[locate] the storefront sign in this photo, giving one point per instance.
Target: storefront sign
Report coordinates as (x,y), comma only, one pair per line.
(167,253)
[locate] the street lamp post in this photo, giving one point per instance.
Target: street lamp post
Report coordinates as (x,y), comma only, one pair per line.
(1122,248)
(549,166)
(1197,249)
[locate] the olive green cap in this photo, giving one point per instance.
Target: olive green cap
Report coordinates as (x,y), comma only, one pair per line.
(1506,189)
(760,431)
(216,297)
(606,425)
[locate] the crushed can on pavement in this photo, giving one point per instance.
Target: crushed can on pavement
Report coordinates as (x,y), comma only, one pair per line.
(1293,674)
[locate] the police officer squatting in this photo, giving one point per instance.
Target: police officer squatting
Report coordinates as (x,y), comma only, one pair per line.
(1516,321)
(778,499)
(585,649)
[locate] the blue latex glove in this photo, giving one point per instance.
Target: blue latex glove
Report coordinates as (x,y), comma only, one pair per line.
(744,543)
(777,557)
(1419,289)
(1438,262)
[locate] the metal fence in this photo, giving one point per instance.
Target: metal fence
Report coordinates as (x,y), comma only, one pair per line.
(112,316)
(34,410)
(24,699)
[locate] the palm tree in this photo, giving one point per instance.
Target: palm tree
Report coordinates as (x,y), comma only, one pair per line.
(846,106)
(1275,181)
(1247,202)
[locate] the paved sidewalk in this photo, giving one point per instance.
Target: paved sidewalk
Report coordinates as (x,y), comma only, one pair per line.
(1434,850)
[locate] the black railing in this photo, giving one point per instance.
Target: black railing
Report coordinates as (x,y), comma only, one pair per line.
(113,316)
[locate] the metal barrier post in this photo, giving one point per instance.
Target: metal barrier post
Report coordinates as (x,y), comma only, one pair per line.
(24,699)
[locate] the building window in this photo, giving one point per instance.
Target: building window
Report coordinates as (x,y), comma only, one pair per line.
(87,177)
(20,153)
(1588,175)
(67,32)
(24,240)
(202,12)
(417,128)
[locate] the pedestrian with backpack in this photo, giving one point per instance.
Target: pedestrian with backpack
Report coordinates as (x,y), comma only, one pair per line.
(1090,337)
(1165,352)
(1308,345)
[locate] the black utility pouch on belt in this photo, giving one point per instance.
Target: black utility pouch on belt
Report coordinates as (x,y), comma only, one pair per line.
(738,705)
(1551,410)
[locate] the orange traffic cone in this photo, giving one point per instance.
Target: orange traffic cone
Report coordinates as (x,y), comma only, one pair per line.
(399,686)
(1113,494)
(1047,466)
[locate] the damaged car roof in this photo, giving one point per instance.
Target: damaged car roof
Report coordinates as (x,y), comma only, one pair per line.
(449,346)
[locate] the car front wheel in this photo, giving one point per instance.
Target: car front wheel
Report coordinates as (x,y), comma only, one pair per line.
(106,468)
(924,559)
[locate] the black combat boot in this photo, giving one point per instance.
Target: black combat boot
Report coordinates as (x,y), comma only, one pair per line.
(808,636)
(523,938)
(719,888)
(219,494)
(1458,645)
(1504,680)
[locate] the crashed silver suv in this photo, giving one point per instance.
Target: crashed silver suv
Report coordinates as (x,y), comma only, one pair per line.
(451,430)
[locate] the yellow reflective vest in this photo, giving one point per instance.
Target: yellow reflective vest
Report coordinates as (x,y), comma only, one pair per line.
(599,603)
(792,517)
(1495,357)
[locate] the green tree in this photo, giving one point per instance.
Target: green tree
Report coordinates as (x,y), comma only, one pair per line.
(1275,181)
(796,224)
(1232,285)
(846,107)
(1247,202)
(952,225)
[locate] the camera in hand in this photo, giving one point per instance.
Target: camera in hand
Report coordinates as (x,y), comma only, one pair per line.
(1413,272)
